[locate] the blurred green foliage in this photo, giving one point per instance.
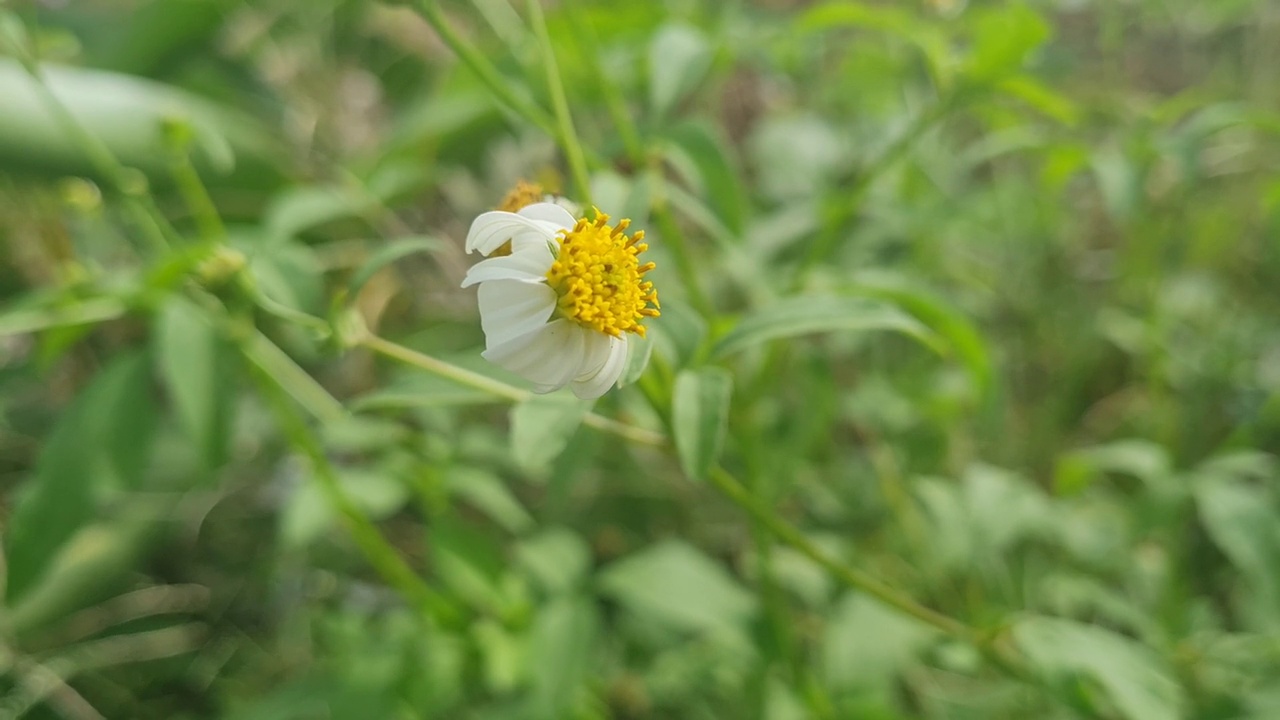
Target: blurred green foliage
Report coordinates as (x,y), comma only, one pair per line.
(964,401)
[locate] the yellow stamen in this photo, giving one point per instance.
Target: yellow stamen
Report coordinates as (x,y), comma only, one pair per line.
(599,278)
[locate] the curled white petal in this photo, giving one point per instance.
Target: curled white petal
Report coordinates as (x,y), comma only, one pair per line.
(549,357)
(593,383)
(528,264)
(549,212)
(491,229)
(509,309)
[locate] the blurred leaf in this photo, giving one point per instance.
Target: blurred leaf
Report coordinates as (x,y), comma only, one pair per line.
(679,57)
(557,557)
(1137,682)
(804,315)
(1003,38)
(720,180)
(309,515)
(959,332)
(700,417)
(1143,460)
(867,646)
(487,493)
(388,254)
(675,584)
(541,427)
(906,25)
(100,443)
(84,570)
(679,333)
(564,635)
(126,114)
(639,349)
(470,561)
(1042,98)
(298,209)
(189,352)
(1244,522)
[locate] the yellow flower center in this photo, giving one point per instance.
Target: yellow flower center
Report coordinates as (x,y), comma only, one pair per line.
(522,195)
(599,278)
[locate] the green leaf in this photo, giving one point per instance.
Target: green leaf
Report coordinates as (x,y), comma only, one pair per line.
(679,58)
(126,114)
(558,558)
(959,332)
(100,444)
(88,568)
(1242,519)
(867,646)
(308,514)
(678,334)
(805,315)
(1137,682)
(1003,38)
(299,209)
(931,41)
(390,253)
(720,180)
(487,493)
(190,353)
(676,585)
(541,428)
(564,635)
(700,417)
(639,349)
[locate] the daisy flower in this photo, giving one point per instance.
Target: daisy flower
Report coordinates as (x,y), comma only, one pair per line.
(558,309)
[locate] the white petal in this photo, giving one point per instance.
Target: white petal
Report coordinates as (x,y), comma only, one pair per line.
(549,357)
(509,309)
(549,212)
(529,265)
(493,228)
(589,386)
(595,353)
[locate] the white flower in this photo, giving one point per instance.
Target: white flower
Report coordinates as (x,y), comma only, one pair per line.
(558,308)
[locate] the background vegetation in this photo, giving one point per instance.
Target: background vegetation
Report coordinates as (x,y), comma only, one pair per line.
(963,402)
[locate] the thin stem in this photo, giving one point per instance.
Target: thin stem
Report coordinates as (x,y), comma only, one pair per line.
(849,576)
(560,103)
(488,74)
(500,389)
(377,550)
(614,101)
(194,193)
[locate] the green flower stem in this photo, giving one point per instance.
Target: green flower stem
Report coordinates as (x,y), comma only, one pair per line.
(195,195)
(500,389)
(377,550)
(290,378)
(560,103)
(584,35)
(851,577)
(488,74)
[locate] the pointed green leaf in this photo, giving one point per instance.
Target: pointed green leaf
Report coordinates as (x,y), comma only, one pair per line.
(819,314)
(700,417)
(679,57)
(189,353)
(541,428)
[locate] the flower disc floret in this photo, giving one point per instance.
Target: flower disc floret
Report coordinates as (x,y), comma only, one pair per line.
(599,280)
(560,308)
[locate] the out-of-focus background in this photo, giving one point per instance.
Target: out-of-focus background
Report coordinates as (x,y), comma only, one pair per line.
(964,400)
